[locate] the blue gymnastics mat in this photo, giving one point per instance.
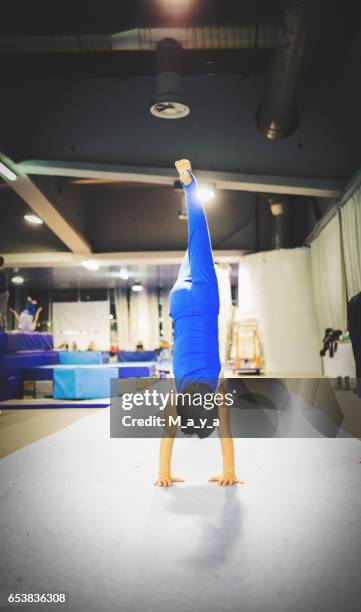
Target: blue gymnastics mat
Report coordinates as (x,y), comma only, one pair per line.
(46,403)
(125,370)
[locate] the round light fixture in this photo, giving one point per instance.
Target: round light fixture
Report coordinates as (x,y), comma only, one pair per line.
(137,287)
(169,110)
(33,219)
(111,317)
(90,264)
(17,280)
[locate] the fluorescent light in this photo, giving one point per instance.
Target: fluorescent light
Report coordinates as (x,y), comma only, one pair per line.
(34,219)
(124,274)
(206,193)
(137,287)
(9,174)
(90,264)
(17,280)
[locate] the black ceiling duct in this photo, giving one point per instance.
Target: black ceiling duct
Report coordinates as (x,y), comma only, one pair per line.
(169,103)
(277,116)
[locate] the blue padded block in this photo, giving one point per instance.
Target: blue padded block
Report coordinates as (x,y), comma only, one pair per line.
(137,356)
(79,357)
(18,341)
(14,364)
(12,388)
(83,383)
(137,371)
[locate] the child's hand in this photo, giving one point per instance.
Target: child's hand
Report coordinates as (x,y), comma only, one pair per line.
(227,479)
(184,167)
(166,480)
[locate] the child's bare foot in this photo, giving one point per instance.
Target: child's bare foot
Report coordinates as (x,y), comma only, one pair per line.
(226,480)
(184,167)
(166,480)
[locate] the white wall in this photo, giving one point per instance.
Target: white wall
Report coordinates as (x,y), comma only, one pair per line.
(278,291)
(82,322)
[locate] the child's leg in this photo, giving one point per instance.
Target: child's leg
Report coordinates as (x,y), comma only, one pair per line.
(199,242)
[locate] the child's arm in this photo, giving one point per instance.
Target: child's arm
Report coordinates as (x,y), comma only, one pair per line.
(36,318)
(165,479)
(229,476)
(15,314)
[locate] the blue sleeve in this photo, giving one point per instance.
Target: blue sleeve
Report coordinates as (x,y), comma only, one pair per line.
(199,242)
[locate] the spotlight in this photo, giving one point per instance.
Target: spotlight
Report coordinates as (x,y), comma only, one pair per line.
(206,193)
(137,287)
(17,280)
(33,219)
(124,274)
(7,173)
(90,264)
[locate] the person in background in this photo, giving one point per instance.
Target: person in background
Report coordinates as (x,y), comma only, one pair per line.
(74,346)
(64,346)
(26,321)
(140,346)
(4,295)
(31,306)
(92,346)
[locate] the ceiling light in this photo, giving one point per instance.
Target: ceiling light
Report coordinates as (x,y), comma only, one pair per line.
(90,264)
(124,274)
(7,173)
(17,280)
(137,287)
(169,102)
(206,193)
(33,219)
(111,317)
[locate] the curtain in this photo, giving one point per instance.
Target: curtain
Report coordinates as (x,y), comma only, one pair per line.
(144,319)
(166,320)
(281,286)
(351,241)
(329,279)
(82,323)
(122,314)
(225,312)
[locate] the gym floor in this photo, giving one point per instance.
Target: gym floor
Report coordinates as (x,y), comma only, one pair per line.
(80,514)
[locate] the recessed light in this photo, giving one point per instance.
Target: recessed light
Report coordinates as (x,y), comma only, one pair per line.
(33,219)
(7,173)
(137,287)
(90,264)
(17,280)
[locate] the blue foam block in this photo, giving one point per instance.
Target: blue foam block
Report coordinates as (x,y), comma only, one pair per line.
(137,356)
(83,383)
(14,364)
(138,370)
(79,357)
(12,388)
(10,342)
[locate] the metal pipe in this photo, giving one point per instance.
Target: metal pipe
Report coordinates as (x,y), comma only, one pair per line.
(277,116)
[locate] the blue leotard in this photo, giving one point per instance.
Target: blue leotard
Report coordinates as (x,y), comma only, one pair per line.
(194,303)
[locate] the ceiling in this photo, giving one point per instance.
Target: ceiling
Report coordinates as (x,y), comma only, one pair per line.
(92,108)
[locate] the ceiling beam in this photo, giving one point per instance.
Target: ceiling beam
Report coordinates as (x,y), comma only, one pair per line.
(61,260)
(322,188)
(42,206)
